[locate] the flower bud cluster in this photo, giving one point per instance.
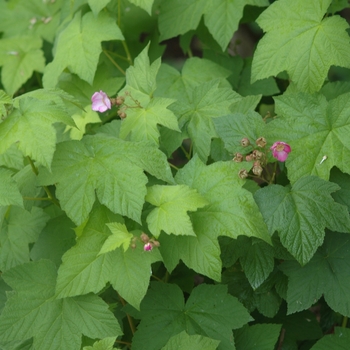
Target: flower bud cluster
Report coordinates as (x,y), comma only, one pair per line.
(258,156)
(149,243)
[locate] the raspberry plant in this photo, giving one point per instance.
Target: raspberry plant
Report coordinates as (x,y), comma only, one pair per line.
(154,200)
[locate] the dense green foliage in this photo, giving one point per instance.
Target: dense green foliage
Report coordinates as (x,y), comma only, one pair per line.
(205,205)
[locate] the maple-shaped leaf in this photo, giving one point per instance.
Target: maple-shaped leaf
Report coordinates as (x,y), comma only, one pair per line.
(317,132)
(231,212)
(19,228)
(207,103)
(19,58)
(326,274)
(338,340)
(78,47)
(144,4)
(147,111)
(106,167)
(85,270)
(173,203)
(209,311)
(300,214)
(305,45)
(193,342)
(9,192)
(221,17)
(104,344)
(30,126)
(120,237)
(65,319)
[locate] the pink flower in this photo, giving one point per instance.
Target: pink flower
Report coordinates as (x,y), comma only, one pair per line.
(100,102)
(280,150)
(147,247)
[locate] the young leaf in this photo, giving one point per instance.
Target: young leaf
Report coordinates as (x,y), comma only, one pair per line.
(20,57)
(106,167)
(231,212)
(78,47)
(172,204)
(31,127)
(193,342)
(305,46)
(65,320)
(326,274)
(120,237)
(314,128)
(300,214)
(9,192)
(19,228)
(85,270)
(209,311)
(104,344)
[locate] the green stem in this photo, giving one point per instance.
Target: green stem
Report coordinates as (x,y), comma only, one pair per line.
(130,320)
(121,70)
(273,174)
(173,166)
(119,20)
(157,278)
(46,189)
(345,321)
(127,52)
(37,199)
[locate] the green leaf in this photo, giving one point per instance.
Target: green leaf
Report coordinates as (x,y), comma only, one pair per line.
(120,237)
(209,311)
(106,167)
(144,4)
(31,127)
(326,274)
(4,99)
(258,262)
(297,44)
(339,340)
(300,214)
(104,344)
(85,270)
(65,320)
(20,57)
(314,128)
(19,228)
(173,203)
(343,180)
(97,5)
(9,192)
(266,335)
(78,47)
(193,342)
(231,212)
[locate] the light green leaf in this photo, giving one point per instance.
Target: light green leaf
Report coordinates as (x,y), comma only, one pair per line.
(326,274)
(296,43)
(106,167)
(20,57)
(222,18)
(9,192)
(4,99)
(97,5)
(343,180)
(144,4)
(65,320)
(84,270)
(314,128)
(193,342)
(120,237)
(264,336)
(209,311)
(78,47)
(339,340)
(300,214)
(19,228)
(30,126)
(104,344)
(141,124)
(173,203)
(231,212)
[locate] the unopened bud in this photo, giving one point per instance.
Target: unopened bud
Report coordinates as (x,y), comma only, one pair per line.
(261,142)
(156,243)
(257,169)
(144,237)
(119,100)
(147,247)
(237,158)
(245,142)
(249,158)
(243,174)
(121,114)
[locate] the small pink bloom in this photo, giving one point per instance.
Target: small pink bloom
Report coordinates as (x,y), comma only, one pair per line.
(280,150)
(147,247)
(100,102)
